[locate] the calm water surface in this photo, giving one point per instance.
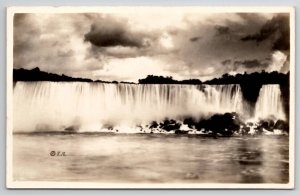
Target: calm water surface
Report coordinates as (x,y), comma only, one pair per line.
(156,158)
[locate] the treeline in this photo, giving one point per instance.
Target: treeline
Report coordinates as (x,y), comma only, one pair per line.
(260,78)
(152,79)
(255,78)
(37,75)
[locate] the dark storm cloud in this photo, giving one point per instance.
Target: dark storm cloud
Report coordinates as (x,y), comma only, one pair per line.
(251,64)
(226,62)
(115,37)
(110,32)
(252,20)
(277,29)
(247,65)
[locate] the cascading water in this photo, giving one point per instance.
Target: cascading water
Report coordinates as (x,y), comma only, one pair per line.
(92,106)
(269,103)
(226,98)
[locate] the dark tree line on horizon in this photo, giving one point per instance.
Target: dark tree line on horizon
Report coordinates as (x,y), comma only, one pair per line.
(37,75)
(256,78)
(152,79)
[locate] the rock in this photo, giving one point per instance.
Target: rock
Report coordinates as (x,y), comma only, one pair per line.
(225,124)
(267,124)
(190,122)
(282,125)
(169,125)
(245,130)
(153,125)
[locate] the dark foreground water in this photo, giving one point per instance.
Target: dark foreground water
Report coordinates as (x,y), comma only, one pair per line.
(156,158)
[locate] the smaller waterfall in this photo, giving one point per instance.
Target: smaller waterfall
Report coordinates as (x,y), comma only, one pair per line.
(269,103)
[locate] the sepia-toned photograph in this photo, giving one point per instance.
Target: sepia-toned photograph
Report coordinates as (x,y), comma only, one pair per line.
(150,97)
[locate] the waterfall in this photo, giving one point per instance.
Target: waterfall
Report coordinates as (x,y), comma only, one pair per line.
(269,103)
(57,105)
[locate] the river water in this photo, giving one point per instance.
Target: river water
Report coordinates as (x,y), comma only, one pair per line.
(149,158)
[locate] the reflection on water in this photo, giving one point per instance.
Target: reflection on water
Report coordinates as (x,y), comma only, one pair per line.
(150,158)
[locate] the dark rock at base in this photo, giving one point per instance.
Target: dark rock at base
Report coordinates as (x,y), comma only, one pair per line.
(222,124)
(245,130)
(282,125)
(219,125)
(258,130)
(225,124)
(269,125)
(153,124)
(169,125)
(190,122)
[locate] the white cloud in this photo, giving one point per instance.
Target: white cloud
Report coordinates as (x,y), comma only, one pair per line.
(166,41)
(131,69)
(278,60)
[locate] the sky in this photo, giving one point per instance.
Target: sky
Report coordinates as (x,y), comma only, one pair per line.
(130,46)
